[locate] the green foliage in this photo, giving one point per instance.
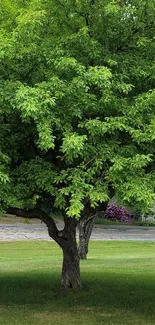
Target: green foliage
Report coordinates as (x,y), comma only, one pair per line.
(77,93)
(73,145)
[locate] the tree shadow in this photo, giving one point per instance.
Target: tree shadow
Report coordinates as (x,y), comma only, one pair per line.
(100,290)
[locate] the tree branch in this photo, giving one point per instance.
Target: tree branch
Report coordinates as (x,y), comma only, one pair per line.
(92,216)
(33,213)
(58,236)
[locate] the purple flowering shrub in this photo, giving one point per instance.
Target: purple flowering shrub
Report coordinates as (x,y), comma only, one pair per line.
(116,213)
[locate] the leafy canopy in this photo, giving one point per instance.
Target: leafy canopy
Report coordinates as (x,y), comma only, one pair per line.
(77,94)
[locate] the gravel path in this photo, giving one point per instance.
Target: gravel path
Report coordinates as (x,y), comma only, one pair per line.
(11,232)
(23,232)
(124,233)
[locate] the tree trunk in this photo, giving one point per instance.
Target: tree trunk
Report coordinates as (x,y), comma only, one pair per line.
(70,268)
(71,263)
(85,229)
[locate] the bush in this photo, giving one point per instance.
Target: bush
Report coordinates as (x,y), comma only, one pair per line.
(116,213)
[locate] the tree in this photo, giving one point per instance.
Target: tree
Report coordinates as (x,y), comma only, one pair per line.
(85,227)
(85,230)
(76,111)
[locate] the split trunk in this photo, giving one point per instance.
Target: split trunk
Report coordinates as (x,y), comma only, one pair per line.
(85,229)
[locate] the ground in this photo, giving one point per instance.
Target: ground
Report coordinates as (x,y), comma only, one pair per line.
(23,231)
(118,285)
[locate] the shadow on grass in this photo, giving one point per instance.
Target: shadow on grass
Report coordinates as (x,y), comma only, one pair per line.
(133,292)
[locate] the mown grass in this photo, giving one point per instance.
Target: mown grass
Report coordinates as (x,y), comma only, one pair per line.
(118,285)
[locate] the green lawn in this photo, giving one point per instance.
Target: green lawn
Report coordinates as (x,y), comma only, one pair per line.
(118,285)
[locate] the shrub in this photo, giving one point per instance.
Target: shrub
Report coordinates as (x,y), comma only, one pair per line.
(116,213)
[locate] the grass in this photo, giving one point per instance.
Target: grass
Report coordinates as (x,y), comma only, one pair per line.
(10,219)
(118,285)
(106,222)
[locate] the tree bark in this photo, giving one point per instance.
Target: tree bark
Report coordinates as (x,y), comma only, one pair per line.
(85,229)
(70,268)
(86,224)
(71,262)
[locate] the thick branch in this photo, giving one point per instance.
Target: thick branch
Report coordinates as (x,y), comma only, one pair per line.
(34,213)
(58,236)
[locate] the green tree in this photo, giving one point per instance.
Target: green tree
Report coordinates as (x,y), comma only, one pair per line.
(76,111)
